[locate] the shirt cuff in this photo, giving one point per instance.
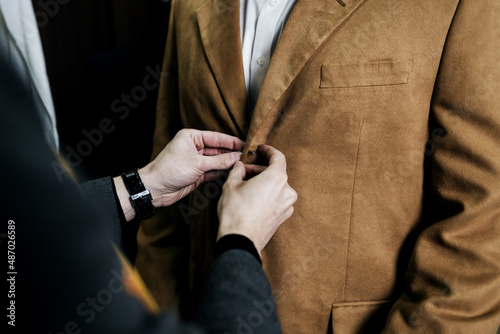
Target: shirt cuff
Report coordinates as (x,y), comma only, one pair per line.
(236,241)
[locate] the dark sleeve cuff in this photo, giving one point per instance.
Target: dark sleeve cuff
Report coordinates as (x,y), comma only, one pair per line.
(236,241)
(102,194)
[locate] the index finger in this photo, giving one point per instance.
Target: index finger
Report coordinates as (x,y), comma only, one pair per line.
(214,139)
(276,158)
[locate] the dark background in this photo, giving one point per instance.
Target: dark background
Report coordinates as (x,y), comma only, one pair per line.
(95,51)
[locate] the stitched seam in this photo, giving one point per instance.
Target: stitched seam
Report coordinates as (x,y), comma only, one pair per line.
(350,215)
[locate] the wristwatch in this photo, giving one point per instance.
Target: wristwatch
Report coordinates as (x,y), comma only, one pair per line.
(140,197)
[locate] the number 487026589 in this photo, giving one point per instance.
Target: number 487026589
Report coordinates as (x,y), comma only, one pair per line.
(11,245)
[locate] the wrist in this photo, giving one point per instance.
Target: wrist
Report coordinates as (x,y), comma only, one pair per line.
(140,197)
(124,198)
(152,183)
(235,228)
(237,241)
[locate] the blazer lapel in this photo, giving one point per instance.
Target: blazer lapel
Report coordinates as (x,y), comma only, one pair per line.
(219,24)
(309,25)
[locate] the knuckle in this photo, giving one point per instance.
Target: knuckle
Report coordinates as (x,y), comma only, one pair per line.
(279,178)
(183,132)
(280,156)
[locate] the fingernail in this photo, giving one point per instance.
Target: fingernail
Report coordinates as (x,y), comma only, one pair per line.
(236,156)
(238,164)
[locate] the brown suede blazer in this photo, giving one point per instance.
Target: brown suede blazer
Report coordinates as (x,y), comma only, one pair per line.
(388,112)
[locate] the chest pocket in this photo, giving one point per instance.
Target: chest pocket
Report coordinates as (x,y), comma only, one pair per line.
(365,74)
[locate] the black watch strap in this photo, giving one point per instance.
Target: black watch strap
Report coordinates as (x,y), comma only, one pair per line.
(140,197)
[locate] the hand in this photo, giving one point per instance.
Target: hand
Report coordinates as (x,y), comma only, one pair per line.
(183,164)
(190,158)
(257,207)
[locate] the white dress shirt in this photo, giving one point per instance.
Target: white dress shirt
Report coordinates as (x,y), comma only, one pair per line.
(261,24)
(21,45)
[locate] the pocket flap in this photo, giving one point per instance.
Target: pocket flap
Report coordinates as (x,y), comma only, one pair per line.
(359,317)
(365,74)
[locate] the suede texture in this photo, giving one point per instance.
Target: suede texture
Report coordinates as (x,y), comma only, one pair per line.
(388,112)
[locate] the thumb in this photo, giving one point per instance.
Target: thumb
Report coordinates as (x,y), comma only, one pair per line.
(238,172)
